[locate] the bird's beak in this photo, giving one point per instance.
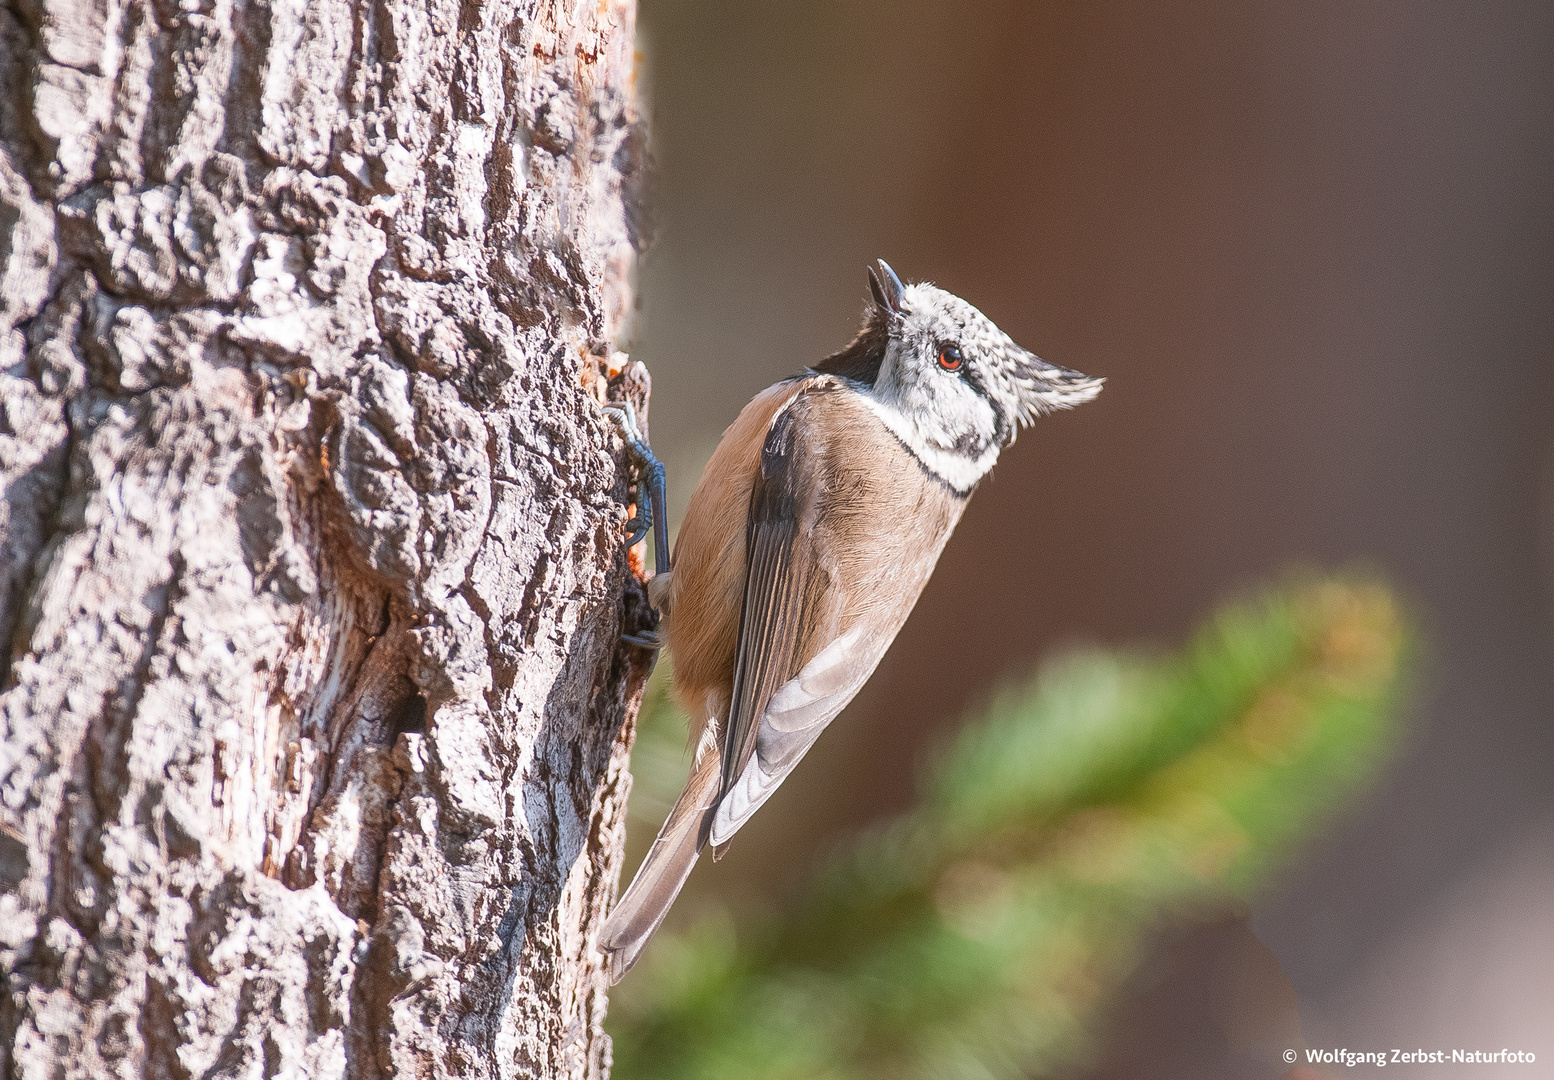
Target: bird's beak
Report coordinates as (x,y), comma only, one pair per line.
(886,287)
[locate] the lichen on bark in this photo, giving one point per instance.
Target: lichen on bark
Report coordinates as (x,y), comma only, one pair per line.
(313,711)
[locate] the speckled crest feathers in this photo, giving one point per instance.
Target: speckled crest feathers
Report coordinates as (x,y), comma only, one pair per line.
(1020,380)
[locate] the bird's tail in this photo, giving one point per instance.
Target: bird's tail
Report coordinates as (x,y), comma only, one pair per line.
(668,864)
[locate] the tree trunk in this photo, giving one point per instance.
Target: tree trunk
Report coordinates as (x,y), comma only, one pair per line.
(315,717)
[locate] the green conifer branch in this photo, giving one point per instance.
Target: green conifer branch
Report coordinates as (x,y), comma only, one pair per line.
(974,937)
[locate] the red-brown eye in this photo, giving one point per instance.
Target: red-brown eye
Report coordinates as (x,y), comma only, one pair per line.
(950,358)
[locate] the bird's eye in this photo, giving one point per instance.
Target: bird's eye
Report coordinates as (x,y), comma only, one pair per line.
(950,358)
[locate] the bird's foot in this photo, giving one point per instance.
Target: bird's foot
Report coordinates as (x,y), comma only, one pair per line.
(648,639)
(651,483)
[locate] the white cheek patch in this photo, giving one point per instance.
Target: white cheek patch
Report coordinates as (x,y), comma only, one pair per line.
(956,470)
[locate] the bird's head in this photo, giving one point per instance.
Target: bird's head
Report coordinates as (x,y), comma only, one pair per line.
(958,387)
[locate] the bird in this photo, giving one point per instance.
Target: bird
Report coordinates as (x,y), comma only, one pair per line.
(812,531)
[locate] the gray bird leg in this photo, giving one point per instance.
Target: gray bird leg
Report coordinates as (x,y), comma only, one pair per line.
(650,475)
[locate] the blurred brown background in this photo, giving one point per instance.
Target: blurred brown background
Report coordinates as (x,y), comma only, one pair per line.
(1311,246)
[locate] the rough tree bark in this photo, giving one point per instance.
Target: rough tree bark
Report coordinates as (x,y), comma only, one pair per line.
(314,715)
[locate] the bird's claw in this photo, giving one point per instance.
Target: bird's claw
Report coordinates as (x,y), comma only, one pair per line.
(642,522)
(647,640)
(626,419)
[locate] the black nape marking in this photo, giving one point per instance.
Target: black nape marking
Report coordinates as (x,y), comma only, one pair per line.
(928,470)
(862,358)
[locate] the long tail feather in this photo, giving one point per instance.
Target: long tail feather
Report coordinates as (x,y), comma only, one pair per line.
(663,872)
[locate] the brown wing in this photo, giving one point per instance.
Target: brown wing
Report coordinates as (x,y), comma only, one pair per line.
(788,596)
(843,532)
(706,591)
